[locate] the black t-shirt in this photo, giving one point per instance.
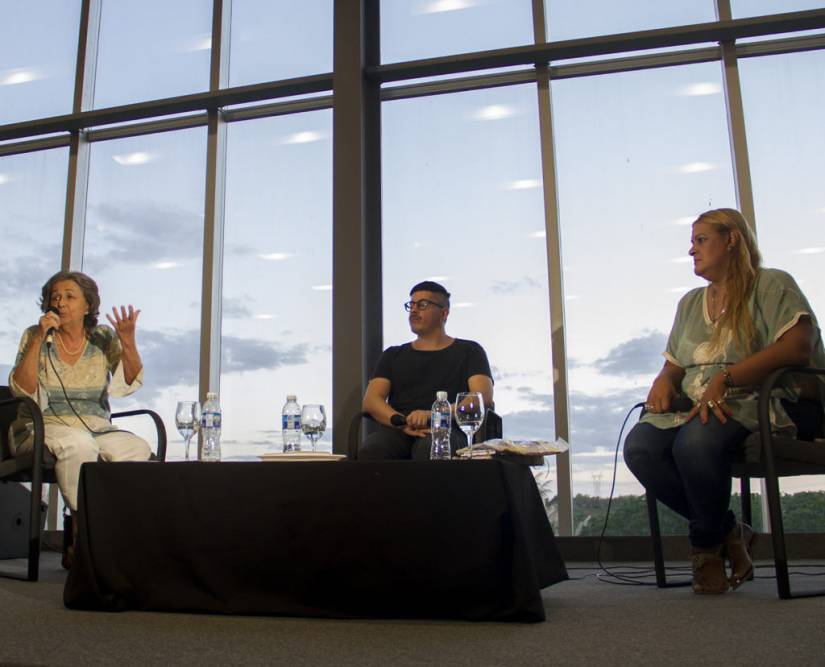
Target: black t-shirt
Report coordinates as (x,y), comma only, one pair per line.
(415,375)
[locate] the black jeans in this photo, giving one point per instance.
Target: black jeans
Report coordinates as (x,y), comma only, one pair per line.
(391,444)
(688,468)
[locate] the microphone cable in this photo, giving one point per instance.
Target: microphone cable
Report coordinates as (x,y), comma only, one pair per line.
(66,396)
(637,574)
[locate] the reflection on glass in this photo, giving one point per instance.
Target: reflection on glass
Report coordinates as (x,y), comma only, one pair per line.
(143,246)
(279,40)
(570,19)
(463,205)
(412,29)
(639,156)
(151,49)
(783,100)
(38,51)
(32,201)
(277,298)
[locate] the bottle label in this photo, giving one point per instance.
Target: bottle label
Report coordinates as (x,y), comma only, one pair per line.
(291,422)
(211,420)
(440,421)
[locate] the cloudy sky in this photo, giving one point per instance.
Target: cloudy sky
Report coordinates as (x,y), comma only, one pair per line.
(639,154)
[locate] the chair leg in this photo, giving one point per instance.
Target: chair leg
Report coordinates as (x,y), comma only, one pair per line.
(656,539)
(35,513)
(745,493)
(780,557)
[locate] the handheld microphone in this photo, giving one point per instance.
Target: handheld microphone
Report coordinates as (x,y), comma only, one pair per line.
(398,420)
(50,331)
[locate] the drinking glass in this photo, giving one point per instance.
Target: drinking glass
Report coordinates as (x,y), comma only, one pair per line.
(469,413)
(313,422)
(187,419)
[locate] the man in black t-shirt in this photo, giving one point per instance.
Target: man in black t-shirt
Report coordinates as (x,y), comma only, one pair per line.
(407,377)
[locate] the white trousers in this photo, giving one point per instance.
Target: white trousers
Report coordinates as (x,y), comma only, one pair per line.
(72,447)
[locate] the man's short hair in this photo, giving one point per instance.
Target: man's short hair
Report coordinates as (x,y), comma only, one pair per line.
(434,287)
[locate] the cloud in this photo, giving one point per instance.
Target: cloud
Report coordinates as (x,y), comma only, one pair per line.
(595,420)
(145,233)
(544,400)
(235,308)
(510,286)
(172,358)
(4,373)
(635,356)
(24,275)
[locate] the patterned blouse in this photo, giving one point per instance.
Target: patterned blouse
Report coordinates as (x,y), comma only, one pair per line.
(88,383)
(776,305)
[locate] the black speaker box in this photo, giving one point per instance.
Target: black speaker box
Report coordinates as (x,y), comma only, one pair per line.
(15,500)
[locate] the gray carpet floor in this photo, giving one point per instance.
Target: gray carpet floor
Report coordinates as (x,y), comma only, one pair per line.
(589,622)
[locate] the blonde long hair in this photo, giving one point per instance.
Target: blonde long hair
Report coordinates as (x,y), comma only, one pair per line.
(743,269)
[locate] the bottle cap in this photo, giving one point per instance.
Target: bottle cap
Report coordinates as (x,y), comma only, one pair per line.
(210,395)
(441,395)
(291,398)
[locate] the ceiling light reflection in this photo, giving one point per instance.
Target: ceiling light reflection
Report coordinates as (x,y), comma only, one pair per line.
(681,260)
(263,316)
(4,179)
(437,6)
(303,137)
(133,159)
(704,88)
(166,265)
(322,288)
(275,256)
(810,251)
(685,220)
(11,77)
(523,184)
(697,167)
(463,304)
(494,112)
(541,234)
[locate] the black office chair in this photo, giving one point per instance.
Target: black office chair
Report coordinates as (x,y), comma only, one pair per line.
(37,466)
(768,456)
(490,428)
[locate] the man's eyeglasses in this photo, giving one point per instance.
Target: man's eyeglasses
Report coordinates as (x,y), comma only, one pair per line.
(421,304)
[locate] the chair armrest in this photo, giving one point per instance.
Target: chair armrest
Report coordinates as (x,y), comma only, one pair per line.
(354,435)
(38,445)
(763,410)
(159,427)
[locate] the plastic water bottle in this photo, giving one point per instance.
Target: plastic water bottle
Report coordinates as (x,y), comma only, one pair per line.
(291,424)
(211,428)
(440,424)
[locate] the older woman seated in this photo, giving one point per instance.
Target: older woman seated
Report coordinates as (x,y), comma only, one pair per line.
(70,366)
(727,337)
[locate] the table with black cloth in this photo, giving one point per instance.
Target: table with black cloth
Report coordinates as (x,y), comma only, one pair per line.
(343,539)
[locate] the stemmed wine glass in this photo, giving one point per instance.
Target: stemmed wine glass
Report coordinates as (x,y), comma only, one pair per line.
(313,422)
(469,413)
(187,419)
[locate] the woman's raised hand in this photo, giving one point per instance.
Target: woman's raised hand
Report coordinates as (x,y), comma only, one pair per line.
(124,323)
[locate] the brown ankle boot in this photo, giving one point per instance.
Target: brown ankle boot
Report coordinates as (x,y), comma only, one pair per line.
(738,546)
(709,574)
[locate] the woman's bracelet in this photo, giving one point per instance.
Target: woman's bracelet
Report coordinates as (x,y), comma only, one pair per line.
(729,383)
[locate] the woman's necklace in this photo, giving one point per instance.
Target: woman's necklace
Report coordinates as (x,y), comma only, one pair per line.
(74,352)
(713,307)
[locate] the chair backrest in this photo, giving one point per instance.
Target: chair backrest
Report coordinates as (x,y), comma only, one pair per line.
(8,413)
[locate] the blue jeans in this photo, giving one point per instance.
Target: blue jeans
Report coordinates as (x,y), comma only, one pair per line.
(688,468)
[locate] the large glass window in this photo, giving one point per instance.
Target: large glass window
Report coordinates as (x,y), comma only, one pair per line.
(783,97)
(32,199)
(640,154)
(277,285)
(463,206)
(151,49)
(413,29)
(743,8)
(38,51)
(279,40)
(143,246)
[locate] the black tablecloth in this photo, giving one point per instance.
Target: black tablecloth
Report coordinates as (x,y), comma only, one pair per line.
(335,539)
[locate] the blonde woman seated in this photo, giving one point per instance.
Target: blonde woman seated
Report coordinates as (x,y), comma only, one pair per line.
(727,337)
(70,373)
